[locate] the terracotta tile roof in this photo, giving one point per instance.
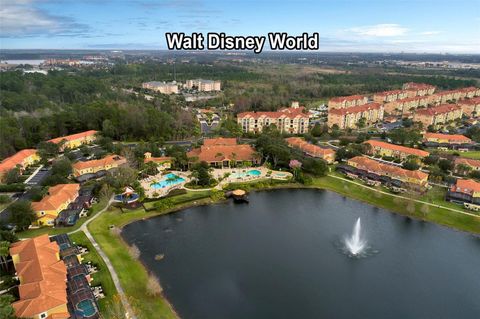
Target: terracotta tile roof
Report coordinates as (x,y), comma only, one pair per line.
(310,149)
(467,161)
(218,153)
(356,109)
(450,137)
(16,159)
(219,141)
(162,159)
(373,166)
(441,109)
(472,101)
(109,160)
(386,93)
(42,274)
(466,186)
(73,136)
(57,195)
(399,148)
(285,113)
(340,99)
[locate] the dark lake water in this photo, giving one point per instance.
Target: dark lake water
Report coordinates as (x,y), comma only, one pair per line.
(279,257)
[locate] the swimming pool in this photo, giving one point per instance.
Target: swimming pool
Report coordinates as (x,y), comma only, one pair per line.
(87,307)
(168,180)
(252,172)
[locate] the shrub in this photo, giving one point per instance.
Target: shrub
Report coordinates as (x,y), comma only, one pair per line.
(153,286)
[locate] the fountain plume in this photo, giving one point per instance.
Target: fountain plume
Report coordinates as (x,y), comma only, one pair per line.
(355,244)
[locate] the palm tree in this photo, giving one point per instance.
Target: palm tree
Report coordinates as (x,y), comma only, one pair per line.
(219,155)
(4,253)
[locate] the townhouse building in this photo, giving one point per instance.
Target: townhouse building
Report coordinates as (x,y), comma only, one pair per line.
(21,159)
(393,150)
(75,140)
(94,166)
(311,150)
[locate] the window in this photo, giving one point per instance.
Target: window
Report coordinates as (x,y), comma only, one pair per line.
(43,315)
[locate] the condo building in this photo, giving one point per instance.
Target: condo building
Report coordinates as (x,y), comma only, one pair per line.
(455,139)
(393,150)
(438,115)
(464,191)
(349,117)
(161,87)
(58,198)
(75,140)
(311,150)
(470,107)
(420,89)
(94,166)
(21,159)
(290,120)
(203,85)
(347,101)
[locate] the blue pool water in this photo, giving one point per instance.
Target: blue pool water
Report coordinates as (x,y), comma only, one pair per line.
(87,307)
(168,180)
(252,172)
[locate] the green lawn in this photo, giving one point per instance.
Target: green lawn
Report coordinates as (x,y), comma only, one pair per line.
(469,154)
(102,277)
(61,230)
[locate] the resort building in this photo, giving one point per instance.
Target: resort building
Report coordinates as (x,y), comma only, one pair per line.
(438,115)
(57,199)
(407,105)
(420,89)
(446,138)
(311,150)
(473,164)
(161,87)
(464,191)
(94,166)
(21,159)
(349,117)
(372,169)
(389,96)
(342,102)
(393,150)
(223,152)
(203,85)
(75,140)
(163,162)
(470,107)
(290,120)
(43,279)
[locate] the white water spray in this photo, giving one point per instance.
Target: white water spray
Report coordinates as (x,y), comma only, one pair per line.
(355,244)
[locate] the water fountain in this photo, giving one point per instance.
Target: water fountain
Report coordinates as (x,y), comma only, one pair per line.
(355,244)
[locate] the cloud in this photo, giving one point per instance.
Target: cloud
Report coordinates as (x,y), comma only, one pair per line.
(23,19)
(380,30)
(430,32)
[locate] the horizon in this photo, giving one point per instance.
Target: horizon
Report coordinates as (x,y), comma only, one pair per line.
(345,26)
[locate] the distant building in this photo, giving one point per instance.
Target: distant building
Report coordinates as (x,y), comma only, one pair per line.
(163,162)
(327,154)
(464,191)
(43,279)
(203,85)
(389,96)
(438,115)
(347,101)
(21,159)
(290,120)
(393,150)
(161,87)
(370,166)
(223,152)
(349,117)
(469,162)
(94,166)
(57,199)
(470,107)
(75,140)
(420,89)
(446,138)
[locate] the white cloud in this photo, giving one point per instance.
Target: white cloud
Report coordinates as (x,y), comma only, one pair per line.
(430,32)
(380,30)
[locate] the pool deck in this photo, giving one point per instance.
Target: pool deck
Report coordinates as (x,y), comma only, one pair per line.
(150,192)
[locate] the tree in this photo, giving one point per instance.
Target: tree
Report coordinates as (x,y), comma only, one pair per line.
(12,176)
(445,165)
(295,165)
(411,164)
(121,177)
(4,253)
(463,169)
(201,172)
(6,309)
(48,150)
(22,214)
(62,167)
(362,123)
(316,167)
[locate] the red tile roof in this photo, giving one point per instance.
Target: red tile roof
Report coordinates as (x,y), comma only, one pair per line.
(73,136)
(356,109)
(219,141)
(347,98)
(373,166)
(162,159)
(450,137)
(399,148)
(466,186)
(109,160)
(219,153)
(441,109)
(472,101)
(16,159)
(467,161)
(386,93)
(57,195)
(310,149)
(42,274)
(290,113)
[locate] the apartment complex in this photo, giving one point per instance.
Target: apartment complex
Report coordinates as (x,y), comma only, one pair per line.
(21,159)
(469,162)
(465,191)
(389,96)
(438,115)
(446,138)
(311,150)
(163,162)
(94,166)
(223,152)
(370,166)
(161,87)
(420,89)
(470,107)
(290,120)
(349,117)
(203,85)
(347,101)
(75,140)
(393,150)
(58,198)
(43,279)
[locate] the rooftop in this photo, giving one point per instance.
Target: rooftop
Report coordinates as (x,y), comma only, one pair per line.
(16,159)
(441,109)
(57,195)
(73,136)
(109,160)
(467,186)
(356,109)
(450,137)
(399,148)
(371,165)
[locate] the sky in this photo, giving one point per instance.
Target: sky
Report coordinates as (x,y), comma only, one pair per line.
(430,26)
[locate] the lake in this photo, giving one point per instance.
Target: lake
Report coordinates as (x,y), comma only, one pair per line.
(280,257)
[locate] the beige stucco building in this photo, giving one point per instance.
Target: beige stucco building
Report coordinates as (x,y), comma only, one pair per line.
(204,85)
(290,120)
(161,87)
(438,115)
(349,117)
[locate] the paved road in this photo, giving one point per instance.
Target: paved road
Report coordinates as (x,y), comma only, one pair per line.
(126,305)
